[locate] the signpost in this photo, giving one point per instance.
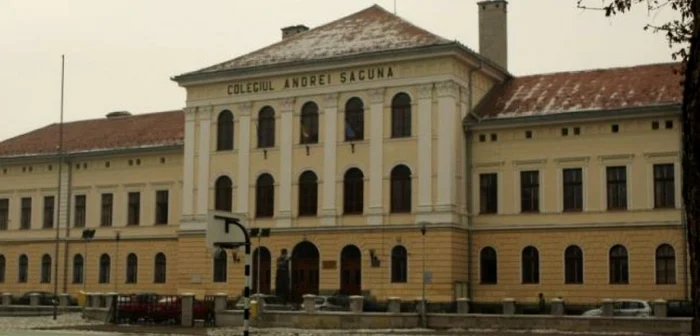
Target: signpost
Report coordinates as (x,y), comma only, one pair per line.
(227,231)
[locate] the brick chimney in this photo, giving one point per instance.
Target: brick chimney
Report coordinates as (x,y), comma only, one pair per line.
(493,31)
(290,31)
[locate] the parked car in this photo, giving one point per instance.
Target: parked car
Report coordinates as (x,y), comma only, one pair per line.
(680,308)
(625,307)
(269,302)
(45,298)
(136,307)
(169,309)
(330,303)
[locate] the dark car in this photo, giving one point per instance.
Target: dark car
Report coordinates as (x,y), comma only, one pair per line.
(45,298)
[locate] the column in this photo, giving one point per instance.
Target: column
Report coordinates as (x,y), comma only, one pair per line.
(284,214)
(203,158)
(243,158)
(330,116)
(425,152)
(376,144)
(188,179)
(447,116)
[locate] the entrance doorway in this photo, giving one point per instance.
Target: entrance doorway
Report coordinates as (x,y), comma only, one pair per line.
(351,271)
(265,270)
(305,270)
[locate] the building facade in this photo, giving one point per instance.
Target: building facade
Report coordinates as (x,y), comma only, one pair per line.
(346,140)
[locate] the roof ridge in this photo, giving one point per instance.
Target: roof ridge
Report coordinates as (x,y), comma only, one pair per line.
(621,67)
(374,8)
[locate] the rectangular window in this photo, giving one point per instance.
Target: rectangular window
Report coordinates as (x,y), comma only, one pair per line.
(664,186)
(162,207)
(80,203)
(573,189)
(4,213)
(488,201)
(48,211)
(617,187)
(134,211)
(25,221)
(106,215)
(530,191)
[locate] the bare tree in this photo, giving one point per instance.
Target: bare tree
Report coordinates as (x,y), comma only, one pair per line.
(682,34)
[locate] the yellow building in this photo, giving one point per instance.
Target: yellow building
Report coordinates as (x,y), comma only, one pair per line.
(345,140)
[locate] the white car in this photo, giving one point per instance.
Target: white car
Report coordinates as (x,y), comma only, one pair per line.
(624,307)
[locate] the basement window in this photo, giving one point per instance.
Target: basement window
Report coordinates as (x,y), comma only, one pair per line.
(615,128)
(494,137)
(162,160)
(528,134)
(654,125)
(669,124)
(482,137)
(564,131)
(106,164)
(577,130)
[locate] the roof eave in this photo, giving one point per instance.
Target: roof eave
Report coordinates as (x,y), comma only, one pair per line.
(194,78)
(556,118)
(28,157)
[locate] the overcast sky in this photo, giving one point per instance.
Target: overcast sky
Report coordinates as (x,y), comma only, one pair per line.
(121,54)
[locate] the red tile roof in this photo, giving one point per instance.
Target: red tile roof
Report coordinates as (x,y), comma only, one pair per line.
(370,30)
(125,132)
(590,90)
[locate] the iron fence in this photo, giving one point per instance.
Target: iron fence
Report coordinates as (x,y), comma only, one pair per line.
(148,309)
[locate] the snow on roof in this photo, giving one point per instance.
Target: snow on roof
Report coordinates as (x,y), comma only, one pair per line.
(590,90)
(370,30)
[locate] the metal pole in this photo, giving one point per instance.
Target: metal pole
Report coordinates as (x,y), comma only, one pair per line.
(424,307)
(116,264)
(85,262)
(58,198)
(246,307)
(258,264)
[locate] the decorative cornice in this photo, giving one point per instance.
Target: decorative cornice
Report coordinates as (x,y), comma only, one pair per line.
(447,89)
(533,162)
(330,100)
(426,91)
(190,114)
(377,96)
(616,157)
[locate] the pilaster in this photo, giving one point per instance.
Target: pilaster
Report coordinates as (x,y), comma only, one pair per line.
(243,187)
(284,215)
(330,116)
(203,164)
(425,152)
(376,144)
(447,109)
(188,179)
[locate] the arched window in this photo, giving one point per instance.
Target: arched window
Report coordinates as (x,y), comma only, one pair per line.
(530,265)
(266,127)
(573,264)
(160,268)
(23,269)
(2,268)
(400,189)
(46,268)
(353,191)
(309,123)
(224,131)
(220,266)
(265,196)
(132,268)
(399,264)
(619,267)
(78,266)
(354,119)
(401,116)
(105,265)
(308,194)
(665,265)
(223,195)
(489,266)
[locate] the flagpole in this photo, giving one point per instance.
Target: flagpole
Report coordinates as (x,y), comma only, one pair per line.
(58,197)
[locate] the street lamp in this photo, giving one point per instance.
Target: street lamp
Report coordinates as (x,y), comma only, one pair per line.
(117,237)
(424,307)
(257,232)
(88,234)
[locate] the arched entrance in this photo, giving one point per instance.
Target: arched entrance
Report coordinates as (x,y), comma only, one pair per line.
(305,265)
(351,271)
(265,270)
